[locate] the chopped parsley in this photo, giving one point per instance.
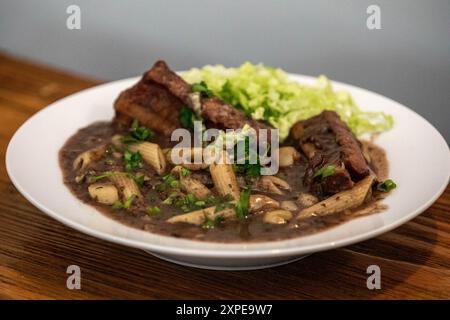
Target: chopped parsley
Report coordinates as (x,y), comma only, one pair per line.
(252,170)
(325,171)
(187,117)
(153,211)
(185,172)
(139,179)
(190,202)
(243,204)
(132,160)
(170,181)
(387,185)
(212,223)
(202,88)
(137,134)
(123,205)
(170,199)
(223,205)
(93,179)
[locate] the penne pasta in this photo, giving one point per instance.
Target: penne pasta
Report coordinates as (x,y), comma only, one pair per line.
(198,189)
(341,201)
(152,155)
(126,185)
(289,205)
(277,216)
(104,193)
(191,185)
(224,178)
(273,184)
(260,202)
(84,159)
(198,217)
(190,158)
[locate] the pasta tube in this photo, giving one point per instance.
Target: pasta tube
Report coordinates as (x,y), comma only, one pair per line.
(224,178)
(198,217)
(84,159)
(152,155)
(341,201)
(126,185)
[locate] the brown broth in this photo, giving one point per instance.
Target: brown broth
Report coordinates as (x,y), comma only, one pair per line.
(251,229)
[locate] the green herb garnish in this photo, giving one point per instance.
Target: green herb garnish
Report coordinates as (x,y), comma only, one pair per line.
(325,171)
(212,223)
(243,204)
(221,203)
(153,211)
(137,134)
(175,184)
(169,180)
(187,118)
(139,179)
(252,170)
(387,185)
(93,179)
(133,160)
(185,172)
(123,205)
(188,202)
(222,206)
(169,200)
(202,88)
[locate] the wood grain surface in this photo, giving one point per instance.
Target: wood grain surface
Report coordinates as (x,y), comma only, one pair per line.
(35,250)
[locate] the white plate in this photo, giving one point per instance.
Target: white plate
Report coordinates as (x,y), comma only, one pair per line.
(419,163)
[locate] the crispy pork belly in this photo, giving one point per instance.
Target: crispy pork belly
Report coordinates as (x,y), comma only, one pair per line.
(217,113)
(327,141)
(224,116)
(158,97)
(160,73)
(150,103)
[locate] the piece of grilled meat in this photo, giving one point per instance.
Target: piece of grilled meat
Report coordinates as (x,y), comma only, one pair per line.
(157,98)
(216,112)
(150,103)
(327,141)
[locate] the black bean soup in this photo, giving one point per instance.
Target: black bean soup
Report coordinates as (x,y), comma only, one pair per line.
(151,214)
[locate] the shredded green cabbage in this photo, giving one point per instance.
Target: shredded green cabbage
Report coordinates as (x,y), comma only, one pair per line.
(267,93)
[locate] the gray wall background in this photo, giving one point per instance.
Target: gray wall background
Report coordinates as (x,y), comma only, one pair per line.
(407,60)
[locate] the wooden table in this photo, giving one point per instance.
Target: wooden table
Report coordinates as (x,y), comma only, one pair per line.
(35,250)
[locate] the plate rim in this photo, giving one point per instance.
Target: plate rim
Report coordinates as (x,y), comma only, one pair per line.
(249,252)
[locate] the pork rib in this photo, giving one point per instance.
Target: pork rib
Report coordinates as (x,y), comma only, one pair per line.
(327,141)
(150,103)
(214,110)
